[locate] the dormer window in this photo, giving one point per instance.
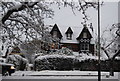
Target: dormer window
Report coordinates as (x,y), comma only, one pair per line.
(69,36)
(69,33)
(84,35)
(55,34)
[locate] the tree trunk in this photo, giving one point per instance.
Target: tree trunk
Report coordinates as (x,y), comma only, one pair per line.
(111,62)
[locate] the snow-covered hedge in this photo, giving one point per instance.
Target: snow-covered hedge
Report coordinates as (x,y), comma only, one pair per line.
(55,62)
(19,62)
(62,61)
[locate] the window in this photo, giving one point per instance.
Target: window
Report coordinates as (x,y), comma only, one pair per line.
(84,47)
(55,34)
(69,36)
(84,35)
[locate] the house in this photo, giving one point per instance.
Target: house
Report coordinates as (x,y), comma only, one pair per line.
(78,39)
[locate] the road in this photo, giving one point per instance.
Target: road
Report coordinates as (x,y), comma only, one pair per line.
(34,78)
(59,76)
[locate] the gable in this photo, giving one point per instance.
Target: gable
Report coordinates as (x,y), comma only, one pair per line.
(55,28)
(69,31)
(85,30)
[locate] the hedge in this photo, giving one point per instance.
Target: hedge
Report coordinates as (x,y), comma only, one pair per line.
(68,63)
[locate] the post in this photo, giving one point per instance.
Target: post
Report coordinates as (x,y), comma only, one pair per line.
(99,66)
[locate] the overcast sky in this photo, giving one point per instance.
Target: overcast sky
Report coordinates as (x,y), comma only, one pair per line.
(65,16)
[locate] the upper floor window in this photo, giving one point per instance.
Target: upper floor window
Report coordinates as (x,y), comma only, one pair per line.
(69,36)
(69,33)
(55,34)
(84,35)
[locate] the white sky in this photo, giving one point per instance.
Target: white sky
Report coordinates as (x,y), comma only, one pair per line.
(65,16)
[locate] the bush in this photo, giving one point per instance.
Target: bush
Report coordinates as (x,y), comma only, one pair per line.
(19,62)
(66,51)
(65,62)
(54,62)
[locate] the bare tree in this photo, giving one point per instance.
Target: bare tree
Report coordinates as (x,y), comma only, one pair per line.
(112,49)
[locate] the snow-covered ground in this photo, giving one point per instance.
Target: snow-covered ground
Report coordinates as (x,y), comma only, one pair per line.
(60,75)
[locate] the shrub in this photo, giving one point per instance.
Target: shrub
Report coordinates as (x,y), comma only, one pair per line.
(65,62)
(54,62)
(19,62)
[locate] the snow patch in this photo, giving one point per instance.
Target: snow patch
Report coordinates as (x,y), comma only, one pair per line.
(53,56)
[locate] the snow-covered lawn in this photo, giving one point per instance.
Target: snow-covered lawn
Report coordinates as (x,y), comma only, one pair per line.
(62,75)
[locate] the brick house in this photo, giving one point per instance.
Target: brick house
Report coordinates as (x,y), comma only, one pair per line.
(78,39)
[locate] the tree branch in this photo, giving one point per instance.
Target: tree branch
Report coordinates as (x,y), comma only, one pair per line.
(9,12)
(105,52)
(116,54)
(111,42)
(118,32)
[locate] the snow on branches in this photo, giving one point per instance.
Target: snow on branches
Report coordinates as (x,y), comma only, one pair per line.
(23,21)
(111,46)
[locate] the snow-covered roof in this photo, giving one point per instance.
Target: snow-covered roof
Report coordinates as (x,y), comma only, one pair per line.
(76,32)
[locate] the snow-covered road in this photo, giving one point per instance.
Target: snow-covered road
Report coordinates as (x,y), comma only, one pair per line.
(60,75)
